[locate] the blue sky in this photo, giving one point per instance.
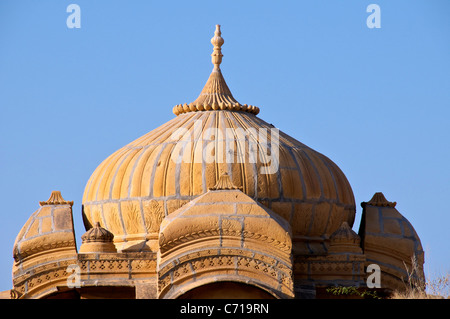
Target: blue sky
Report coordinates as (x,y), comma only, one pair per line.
(375,101)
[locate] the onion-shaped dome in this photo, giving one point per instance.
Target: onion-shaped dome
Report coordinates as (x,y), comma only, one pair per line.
(133,189)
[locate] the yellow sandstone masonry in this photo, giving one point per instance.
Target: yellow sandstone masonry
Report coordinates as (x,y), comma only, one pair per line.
(218,203)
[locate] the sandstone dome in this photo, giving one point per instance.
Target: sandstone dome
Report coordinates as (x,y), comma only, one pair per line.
(132,190)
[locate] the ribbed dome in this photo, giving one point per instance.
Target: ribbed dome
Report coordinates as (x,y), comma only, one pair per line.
(135,187)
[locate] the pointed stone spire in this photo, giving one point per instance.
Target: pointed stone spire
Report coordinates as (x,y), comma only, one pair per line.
(217,41)
(215,94)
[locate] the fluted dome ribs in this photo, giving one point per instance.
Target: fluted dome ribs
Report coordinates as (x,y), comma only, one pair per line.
(185,157)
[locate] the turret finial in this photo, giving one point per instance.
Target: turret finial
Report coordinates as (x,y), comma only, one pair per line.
(217,41)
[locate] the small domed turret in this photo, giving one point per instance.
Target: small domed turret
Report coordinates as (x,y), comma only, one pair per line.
(97,239)
(344,239)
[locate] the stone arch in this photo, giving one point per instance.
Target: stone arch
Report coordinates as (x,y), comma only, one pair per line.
(224,235)
(206,266)
(228,290)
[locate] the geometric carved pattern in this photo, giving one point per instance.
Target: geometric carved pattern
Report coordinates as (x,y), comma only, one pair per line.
(343,269)
(224,235)
(43,276)
(225,264)
(224,232)
(123,265)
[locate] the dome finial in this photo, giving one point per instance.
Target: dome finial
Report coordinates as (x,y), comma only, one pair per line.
(217,41)
(215,94)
